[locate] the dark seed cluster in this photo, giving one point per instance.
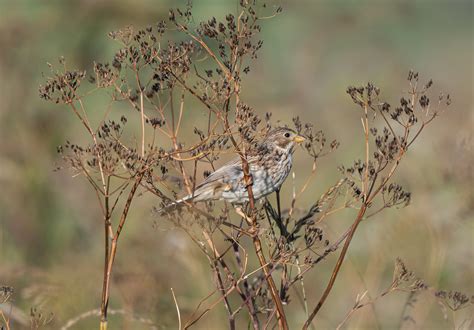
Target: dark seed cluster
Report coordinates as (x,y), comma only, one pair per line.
(455,300)
(316,144)
(405,279)
(62,87)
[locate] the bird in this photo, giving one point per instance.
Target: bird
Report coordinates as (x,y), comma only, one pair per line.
(269,166)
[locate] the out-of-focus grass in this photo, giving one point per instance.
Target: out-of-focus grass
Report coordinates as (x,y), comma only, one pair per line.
(50,238)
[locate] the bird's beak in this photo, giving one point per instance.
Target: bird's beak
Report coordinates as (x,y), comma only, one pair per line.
(299,139)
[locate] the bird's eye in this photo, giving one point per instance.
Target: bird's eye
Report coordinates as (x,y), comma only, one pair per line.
(287,135)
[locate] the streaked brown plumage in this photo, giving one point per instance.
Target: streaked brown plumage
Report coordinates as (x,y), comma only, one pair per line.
(269,166)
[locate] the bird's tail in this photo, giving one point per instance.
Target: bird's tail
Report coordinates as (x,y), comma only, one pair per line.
(175,205)
(200,194)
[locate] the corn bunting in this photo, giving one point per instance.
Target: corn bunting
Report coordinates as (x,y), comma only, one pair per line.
(269,166)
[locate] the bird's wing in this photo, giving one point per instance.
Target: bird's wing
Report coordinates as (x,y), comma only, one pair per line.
(232,169)
(224,178)
(213,186)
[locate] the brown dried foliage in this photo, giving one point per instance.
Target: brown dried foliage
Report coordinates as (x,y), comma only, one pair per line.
(165,84)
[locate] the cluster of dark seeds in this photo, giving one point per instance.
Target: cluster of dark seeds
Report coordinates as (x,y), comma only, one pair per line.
(316,142)
(405,279)
(109,155)
(5,293)
(62,87)
(455,300)
(395,195)
(363,95)
(105,75)
(388,146)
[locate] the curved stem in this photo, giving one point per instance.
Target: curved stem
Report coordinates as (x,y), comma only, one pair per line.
(335,272)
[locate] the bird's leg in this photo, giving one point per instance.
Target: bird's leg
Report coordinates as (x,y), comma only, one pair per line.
(278,203)
(282,226)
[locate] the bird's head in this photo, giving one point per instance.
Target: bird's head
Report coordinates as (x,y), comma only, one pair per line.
(284,138)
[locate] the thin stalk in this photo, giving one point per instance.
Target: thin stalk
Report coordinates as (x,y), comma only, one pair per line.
(337,267)
(113,251)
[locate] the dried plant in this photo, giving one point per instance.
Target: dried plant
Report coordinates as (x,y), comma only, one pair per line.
(11,315)
(38,319)
(5,294)
(165,84)
(405,280)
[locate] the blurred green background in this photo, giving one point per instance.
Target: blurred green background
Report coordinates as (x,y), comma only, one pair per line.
(50,227)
